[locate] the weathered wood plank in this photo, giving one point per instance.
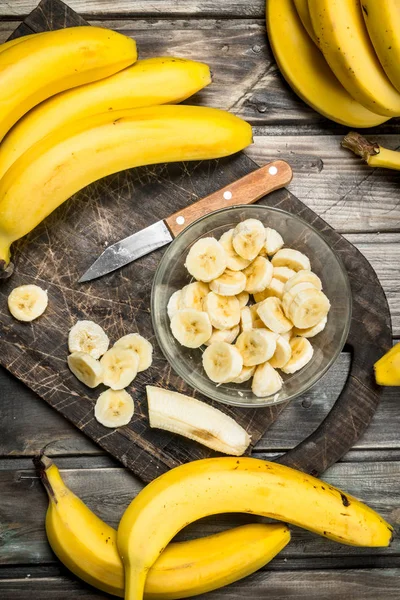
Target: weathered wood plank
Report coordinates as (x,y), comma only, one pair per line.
(109,490)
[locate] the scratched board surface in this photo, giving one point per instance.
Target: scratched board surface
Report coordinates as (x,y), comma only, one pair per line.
(58,251)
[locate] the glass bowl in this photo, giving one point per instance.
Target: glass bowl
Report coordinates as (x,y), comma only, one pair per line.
(172,275)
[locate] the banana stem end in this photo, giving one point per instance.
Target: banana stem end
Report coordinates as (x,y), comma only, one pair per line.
(42,464)
(360,146)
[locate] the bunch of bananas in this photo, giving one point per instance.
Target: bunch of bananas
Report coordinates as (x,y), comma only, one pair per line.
(140,559)
(81,107)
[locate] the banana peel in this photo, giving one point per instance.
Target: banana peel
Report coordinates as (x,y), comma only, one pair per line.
(387,368)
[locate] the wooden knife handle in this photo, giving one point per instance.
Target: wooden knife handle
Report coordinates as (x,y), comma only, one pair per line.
(247,190)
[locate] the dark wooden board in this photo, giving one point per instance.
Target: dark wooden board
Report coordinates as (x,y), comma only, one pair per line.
(60,250)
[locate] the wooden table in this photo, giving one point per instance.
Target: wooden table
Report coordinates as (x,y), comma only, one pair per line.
(362,204)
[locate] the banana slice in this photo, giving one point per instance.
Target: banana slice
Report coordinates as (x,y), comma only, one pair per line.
(256,346)
(222,362)
(192,295)
(234,262)
(308,308)
(223,335)
(114,408)
(311,331)
(174,303)
(257,323)
(289,296)
(259,275)
(293,259)
(273,241)
(87,336)
(271,313)
(120,367)
(27,302)
(85,368)
(283,273)
(302,353)
(246,319)
(303,277)
(245,374)
(248,238)
(275,289)
(243,298)
(206,259)
(287,335)
(139,344)
(223,311)
(266,381)
(229,283)
(192,328)
(282,354)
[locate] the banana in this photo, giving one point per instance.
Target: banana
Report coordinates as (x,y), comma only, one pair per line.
(282,353)
(27,302)
(271,314)
(273,241)
(15,41)
(304,14)
(230,283)
(293,259)
(289,296)
(373,154)
(234,262)
(193,295)
(87,336)
(307,72)
(387,368)
(302,353)
(206,259)
(248,238)
(174,304)
(120,367)
(256,346)
(40,66)
(192,328)
(196,420)
(311,331)
(243,298)
(88,547)
(85,368)
(283,273)
(223,311)
(230,484)
(114,408)
(258,275)
(67,160)
(302,277)
(148,82)
(246,319)
(351,56)
(223,335)
(308,308)
(245,374)
(222,362)
(287,335)
(275,288)
(139,344)
(257,323)
(266,381)
(383,24)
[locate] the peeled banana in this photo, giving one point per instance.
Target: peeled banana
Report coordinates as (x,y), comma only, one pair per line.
(67,160)
(43,65)
(209,487)
(88,547)
(373,154)
(307,72)
(149,82)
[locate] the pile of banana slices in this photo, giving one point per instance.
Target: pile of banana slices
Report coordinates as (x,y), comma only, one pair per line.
(249,341)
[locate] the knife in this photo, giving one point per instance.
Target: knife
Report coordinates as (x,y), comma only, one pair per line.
(247,190)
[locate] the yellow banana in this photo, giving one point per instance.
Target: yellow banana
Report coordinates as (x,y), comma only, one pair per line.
(373,154)
(387,368)
(147,83)
(67,160)
(88,547)
(344,41)
(383,23)
(307,72)
(304,14)
(15,41)
(43,65)
(223,485)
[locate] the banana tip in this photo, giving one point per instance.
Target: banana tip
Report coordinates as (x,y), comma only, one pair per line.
(6,270)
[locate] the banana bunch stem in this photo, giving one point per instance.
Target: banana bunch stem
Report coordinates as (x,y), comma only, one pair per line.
(372,153)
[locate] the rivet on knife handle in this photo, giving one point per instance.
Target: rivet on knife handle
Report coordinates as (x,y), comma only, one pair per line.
(246,190)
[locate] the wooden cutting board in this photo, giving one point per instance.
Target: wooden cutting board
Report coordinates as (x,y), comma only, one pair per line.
(60,250)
